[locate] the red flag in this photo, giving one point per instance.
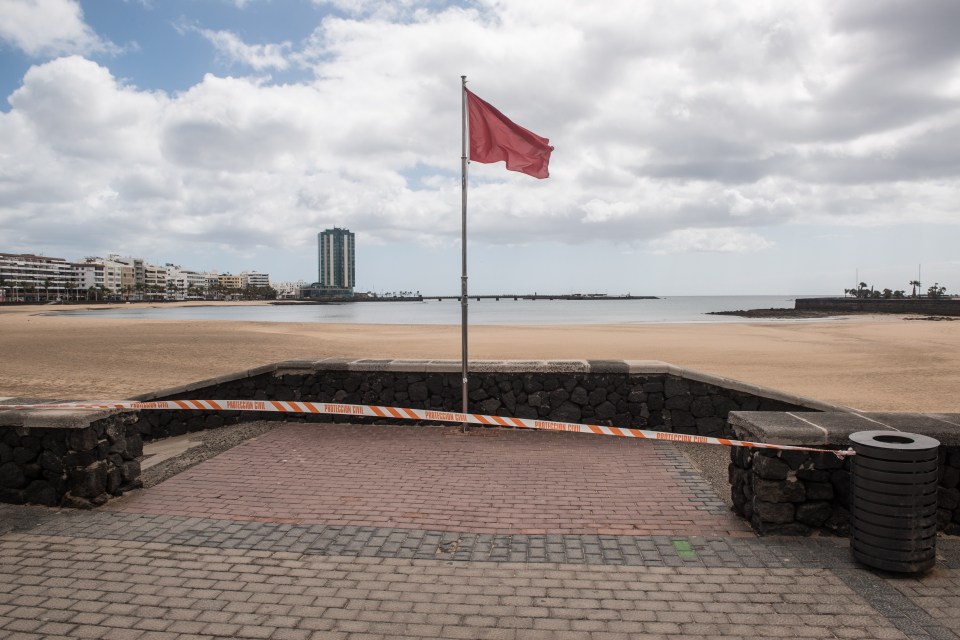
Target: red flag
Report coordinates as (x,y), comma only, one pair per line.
(494,137)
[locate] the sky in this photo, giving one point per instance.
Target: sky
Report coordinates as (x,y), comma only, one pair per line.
(702,147)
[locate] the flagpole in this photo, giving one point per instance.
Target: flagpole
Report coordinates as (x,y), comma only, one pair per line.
(463,243)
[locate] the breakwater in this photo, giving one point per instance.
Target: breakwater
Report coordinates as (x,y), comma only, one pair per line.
(926,306)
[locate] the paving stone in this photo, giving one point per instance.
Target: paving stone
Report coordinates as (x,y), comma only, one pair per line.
(126,574)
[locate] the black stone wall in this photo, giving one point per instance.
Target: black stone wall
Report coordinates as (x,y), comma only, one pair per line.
(797,492)
(85,464)
(72,467)
(651,401)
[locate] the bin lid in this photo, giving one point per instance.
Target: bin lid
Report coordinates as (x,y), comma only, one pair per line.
(893,441)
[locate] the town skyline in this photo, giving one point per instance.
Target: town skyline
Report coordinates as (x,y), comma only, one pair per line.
(732,149)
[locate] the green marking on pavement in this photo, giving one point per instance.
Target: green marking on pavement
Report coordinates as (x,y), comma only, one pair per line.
(684,550)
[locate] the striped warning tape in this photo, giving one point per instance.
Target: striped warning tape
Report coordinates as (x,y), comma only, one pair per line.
(405,413)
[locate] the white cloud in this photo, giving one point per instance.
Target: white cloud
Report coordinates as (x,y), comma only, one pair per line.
(721,240)
(677,126)
(49,27)
(258,57)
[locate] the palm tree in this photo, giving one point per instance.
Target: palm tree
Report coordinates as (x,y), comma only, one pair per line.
(46,289)
(916,285)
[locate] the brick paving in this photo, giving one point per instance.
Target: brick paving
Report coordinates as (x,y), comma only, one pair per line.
(437,478)
(136,572)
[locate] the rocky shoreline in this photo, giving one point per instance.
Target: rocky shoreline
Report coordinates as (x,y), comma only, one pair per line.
(777,313)
(814,313)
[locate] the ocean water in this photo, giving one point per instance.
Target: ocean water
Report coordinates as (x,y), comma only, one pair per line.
(506,311)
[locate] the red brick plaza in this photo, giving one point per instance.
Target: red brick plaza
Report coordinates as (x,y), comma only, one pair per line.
(485,481)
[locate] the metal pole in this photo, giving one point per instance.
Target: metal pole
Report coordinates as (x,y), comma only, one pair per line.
(463,243)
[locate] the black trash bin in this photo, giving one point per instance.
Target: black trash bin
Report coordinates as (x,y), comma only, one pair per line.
(893,501)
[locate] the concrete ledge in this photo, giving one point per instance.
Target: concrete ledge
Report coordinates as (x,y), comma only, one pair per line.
(365,365)
(444,366)
(834,428)
(645,367)
(609,366)
(54,418)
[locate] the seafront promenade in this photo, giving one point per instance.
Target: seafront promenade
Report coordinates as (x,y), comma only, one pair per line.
(344,531)
(366,532)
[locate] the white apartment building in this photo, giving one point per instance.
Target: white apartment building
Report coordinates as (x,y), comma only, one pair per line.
(88,276)
(112,273)
(289,289)
(183,284)
(154,281)
(33,278)
(29,277)
(213,280)
(255,279)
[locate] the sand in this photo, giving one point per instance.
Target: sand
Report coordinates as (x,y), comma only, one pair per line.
(866,362)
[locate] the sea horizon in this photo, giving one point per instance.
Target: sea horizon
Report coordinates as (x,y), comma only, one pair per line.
(506,311)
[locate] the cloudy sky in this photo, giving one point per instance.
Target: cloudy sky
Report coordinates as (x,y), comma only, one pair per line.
(702,147)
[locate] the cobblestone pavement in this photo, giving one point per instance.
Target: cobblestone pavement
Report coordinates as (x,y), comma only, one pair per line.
(134,572)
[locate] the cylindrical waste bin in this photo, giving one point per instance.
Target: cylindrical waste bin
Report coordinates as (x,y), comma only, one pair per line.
(893,501)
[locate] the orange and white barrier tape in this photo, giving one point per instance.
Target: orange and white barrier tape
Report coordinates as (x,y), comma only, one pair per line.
(402,413)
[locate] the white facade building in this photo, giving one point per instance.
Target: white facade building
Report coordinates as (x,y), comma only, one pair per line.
(255,279)
(27,277)
(34,278)
(184,284)
(289,289)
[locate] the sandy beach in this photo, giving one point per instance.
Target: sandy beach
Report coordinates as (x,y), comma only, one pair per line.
(866,362)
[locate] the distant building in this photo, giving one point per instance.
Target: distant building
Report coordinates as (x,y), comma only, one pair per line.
(230,283)
(337,264)
(31,278)
(256,279)
(289,289)
(27,277)
(184,284)
(133,279)
(113,273)
(87,276)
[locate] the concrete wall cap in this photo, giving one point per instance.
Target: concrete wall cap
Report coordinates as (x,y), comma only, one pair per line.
(55,418)
(942,427)
(609,366)
(371,364)
(510,366)
(256,371)
(775,427)
(333,364)
(298,367)
(652,367)
(835,428)
(443,366)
